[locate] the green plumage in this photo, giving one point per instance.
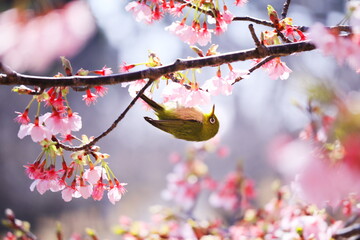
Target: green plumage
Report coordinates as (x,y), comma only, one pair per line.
(184,123)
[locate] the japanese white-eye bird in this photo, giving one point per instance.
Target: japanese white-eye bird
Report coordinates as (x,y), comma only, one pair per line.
(187,123)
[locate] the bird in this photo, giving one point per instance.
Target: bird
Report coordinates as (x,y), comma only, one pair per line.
(187,123)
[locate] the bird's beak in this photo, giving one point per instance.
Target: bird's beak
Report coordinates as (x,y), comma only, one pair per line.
(213,110)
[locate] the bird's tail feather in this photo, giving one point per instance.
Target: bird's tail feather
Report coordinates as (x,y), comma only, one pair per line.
(152,103)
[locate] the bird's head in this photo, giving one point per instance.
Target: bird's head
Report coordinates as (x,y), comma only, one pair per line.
(211,124)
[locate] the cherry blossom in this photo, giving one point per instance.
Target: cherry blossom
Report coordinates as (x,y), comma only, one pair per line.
(343,49)
(93,175)
(240,2)
(104,71)
(38,132)
(90,97)
(23,118)
(101,90)
(116,192)
(74,122)
(218,85)
(23,29)
(68,193)
(98,190)
(134,86)
(55,123)
(277,69)
(141,11)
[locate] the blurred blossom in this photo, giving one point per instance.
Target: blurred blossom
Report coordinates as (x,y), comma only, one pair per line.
(31,43)
(314,169)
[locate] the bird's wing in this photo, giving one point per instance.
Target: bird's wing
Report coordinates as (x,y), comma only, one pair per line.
(175,124)
(183,129)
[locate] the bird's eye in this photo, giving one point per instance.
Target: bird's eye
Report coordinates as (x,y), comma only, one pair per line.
(212,120)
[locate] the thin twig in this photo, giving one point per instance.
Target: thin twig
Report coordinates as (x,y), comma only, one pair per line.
(112,127)
(282,36)
(156,72)
(260,47)
(285,9)
(17,224)
(254,36)
(340,28)
(254,20)
(258,65)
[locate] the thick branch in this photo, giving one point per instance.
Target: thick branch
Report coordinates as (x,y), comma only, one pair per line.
(154,73)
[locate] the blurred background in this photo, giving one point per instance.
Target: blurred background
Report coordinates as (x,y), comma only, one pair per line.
(95,33)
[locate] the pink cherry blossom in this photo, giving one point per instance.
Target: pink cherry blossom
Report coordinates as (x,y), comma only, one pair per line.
(176,10)
(125,67)
(227,15)
(115,193)
(141,11)
(93,175)
(185,97)
(74,122)
(173,91)
(180,189)
(36,131)
(228,196)
(104,71)
(221,25)
(343,49)
(312,171)
(85,190)
(67,193)
(204,35)
(35,170)
(217,85)
(277,69)
(240,2)
(24,29)
(90,97)
(101,90)
(236,74)
(23,118)
(55,123)
(98,190)
(188,34)
(135,86)
(196,97)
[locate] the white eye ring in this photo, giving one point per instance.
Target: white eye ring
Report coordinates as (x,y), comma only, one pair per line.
(212,120)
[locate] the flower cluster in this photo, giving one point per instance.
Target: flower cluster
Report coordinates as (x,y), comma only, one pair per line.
(284,31)
(83,176)
(90,178)
(187,92)
(22,30)
(278,219)
(330,42)
(190,177)
(326,152)
(197,32)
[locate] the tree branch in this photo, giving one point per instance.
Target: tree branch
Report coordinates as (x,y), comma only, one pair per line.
(112,127)
(348,232)
(285,9)
(14,78)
